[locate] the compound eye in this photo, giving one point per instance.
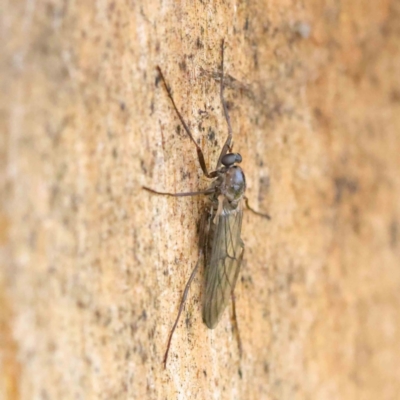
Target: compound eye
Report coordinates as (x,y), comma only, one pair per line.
(230,159)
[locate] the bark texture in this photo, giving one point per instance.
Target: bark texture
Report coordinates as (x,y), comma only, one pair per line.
(93,267)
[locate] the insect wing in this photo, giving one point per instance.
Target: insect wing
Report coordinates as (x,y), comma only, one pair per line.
(223,264)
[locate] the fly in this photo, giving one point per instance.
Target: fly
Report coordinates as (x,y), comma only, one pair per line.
(220,242)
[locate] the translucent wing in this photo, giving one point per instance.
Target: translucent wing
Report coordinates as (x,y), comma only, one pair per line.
(225,253)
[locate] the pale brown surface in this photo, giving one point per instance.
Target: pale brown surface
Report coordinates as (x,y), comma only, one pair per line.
(93,267)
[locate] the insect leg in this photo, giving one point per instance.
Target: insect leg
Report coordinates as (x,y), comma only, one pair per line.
(246,201)
(227,145)
(185,293)
(235,324)
(208,191)
(200,154)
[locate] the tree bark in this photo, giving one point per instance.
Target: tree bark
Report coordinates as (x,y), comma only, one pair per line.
(93,267)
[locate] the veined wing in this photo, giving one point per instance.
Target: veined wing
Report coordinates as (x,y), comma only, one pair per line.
(223,263)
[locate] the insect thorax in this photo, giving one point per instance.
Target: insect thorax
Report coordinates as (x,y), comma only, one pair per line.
(231,183)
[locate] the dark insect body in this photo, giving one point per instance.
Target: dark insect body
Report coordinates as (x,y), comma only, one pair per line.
(220,227)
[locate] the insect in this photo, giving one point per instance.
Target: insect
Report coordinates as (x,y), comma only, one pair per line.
(220,242)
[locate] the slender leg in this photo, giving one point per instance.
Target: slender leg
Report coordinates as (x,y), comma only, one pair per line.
(227,145)
(235,324)
(208,191)
(185,293)
(246,201)
(200,154)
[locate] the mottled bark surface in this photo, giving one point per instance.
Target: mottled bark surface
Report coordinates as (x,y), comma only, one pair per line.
(93,267)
